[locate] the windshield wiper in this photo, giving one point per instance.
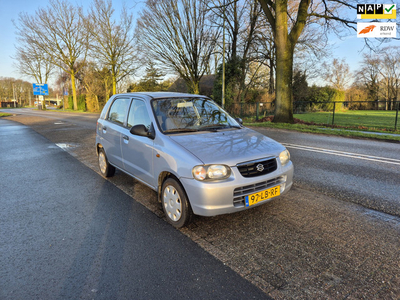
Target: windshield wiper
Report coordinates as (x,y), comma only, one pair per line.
(180,130)
(214,127)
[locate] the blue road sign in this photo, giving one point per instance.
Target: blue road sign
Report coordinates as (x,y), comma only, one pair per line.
(40,89)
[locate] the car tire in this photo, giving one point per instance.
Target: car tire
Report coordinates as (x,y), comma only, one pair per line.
(106,169)
(175,204)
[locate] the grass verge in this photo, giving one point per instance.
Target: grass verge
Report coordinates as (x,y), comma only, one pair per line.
(5,114)
(69,110)
(382,135)
(360,119)
(349,123)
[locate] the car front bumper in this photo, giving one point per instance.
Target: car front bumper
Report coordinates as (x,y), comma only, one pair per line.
(223,197)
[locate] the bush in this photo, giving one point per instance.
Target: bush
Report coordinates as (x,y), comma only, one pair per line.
(81,102)
(322,98)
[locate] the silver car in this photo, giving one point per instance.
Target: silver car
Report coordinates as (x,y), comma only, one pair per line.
(197,157)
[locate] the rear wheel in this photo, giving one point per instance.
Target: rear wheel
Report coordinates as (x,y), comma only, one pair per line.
(106,169)
(175,204)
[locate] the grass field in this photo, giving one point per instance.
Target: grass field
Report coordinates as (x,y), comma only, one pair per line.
(349,124)
(362,119)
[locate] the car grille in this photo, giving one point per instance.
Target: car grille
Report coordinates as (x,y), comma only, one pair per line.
(257,168)
(240,193)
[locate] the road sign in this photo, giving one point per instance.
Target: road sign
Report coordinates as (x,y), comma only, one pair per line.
(40,89)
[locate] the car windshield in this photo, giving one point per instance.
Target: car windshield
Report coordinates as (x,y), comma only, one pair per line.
(191,114)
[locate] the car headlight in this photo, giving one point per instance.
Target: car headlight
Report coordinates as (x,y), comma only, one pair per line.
(211,172)
(284,157)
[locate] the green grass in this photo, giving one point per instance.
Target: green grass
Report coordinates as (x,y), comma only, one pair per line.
(345,122)
(322,130)
(4,114)
(360,119)
(72,111)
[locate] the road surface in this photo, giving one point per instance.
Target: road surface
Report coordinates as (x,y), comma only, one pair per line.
(365,172)
(314,242)
(91,242)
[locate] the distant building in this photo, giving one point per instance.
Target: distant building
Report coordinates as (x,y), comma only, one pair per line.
(12,103)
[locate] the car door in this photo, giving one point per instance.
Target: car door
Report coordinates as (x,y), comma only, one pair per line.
(111,130)
(137,151)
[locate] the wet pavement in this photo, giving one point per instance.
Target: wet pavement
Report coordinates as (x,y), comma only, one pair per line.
(304,245)
(67,233)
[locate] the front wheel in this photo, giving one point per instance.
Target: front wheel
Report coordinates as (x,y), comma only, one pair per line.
(106,169)
(175,204)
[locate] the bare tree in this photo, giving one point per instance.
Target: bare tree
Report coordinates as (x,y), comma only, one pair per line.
(288,20)
(241,22)
(15,89)
(92,82)
(33,63)
(112,45)
(59,32)
(337,74)
(369,75)
(177,34)
(264,49)
(390,71)
(379,75)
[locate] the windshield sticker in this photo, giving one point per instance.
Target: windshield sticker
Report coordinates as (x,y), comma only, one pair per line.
(185,104)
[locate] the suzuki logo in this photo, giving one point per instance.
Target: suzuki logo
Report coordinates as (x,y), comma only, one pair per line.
(260,167)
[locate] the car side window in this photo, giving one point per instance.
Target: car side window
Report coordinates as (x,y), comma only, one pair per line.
(118,111)
(138,114)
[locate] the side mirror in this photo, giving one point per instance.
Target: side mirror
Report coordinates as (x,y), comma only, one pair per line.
(239,120)
(142,130)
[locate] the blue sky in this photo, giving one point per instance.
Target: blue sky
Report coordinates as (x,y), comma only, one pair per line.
(349,48)
(9,11)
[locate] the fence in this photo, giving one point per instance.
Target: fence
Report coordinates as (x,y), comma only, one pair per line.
(359,109)
(258,109)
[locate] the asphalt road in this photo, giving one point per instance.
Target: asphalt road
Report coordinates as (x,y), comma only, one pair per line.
(364,172)
(67,233)
(312,243)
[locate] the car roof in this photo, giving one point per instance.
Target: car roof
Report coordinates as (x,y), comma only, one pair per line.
(159,95)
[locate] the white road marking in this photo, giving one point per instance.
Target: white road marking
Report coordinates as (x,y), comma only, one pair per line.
(392,161)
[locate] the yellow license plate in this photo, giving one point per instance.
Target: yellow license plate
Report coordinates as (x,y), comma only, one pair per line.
(261,196)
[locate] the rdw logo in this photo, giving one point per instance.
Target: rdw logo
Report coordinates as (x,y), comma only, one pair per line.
(376,30)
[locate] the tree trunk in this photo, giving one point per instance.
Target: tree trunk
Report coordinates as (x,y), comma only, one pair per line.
(284,102)
(284,45)
(271,84)
(106,85)
(114,84)
(192,84)
(194,87)
(75,100)
(284,67)
(97,103)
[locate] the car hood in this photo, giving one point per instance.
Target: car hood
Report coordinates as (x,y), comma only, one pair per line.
(229,147)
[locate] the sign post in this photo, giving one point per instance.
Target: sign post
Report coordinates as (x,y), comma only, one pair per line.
(41,89)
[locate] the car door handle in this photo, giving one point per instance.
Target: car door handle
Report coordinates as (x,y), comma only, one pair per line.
(125,137)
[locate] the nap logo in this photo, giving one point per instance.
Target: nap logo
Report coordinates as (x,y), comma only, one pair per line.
(376,11)
(376,30)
